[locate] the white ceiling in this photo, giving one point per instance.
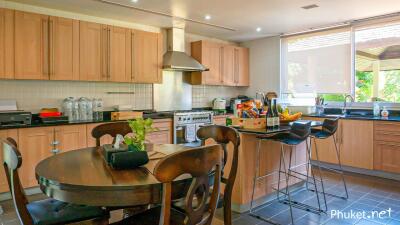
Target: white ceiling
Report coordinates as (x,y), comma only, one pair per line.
(273,16)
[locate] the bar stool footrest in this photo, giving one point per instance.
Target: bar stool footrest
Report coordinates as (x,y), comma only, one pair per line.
(303,206)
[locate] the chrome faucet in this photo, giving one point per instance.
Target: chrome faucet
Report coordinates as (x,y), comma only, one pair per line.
(344,110)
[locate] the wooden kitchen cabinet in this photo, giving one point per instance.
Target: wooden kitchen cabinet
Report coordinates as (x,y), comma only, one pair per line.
(92,51)
(228,72)
(210,55)
(31,46)
(120,54)
(357,143)
(71,137)
(164,133)
(242,77)
(228,65)
(147,49)
(6,44)
(387,146)
(64,48)
(13,133)
(34,145)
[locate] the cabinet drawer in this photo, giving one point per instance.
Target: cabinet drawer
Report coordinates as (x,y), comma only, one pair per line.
(387,156)
(387,126)
(391,136)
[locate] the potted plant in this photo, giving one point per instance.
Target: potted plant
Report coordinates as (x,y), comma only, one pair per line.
(136,155)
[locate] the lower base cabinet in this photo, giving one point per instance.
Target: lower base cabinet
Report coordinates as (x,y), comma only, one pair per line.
(387,146)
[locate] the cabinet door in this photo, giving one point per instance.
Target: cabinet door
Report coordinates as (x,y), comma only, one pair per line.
(35,145)
(242,66)
(3,135)
(357,143)
(93,42)
(6,44)
(387,156)
(146,57)
(71,137)
(119,58)
(64,49)
(228,65)
(91,142)
(164,133)
(212,57)
(31,46)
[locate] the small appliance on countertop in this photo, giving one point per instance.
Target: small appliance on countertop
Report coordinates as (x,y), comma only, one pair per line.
(52,115)
(15,118)
(219,106)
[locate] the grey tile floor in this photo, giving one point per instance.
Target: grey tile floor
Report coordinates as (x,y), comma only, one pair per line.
(366,194)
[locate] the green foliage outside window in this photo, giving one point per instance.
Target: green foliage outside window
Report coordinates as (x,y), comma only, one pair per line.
(364,86)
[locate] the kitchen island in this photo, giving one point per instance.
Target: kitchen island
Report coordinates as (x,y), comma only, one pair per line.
(269,162)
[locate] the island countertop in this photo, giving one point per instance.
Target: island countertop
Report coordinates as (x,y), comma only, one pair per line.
(282,128)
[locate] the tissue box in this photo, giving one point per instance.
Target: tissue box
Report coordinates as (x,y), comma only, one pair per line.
(109,149)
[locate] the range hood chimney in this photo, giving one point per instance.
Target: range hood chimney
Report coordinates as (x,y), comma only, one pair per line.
(175,59)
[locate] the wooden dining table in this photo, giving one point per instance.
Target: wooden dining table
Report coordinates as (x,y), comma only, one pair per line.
(83,177)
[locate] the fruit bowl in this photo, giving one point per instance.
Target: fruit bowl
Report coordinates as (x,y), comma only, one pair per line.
(286,118)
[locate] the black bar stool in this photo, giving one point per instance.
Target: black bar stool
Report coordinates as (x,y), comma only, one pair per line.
(329,128)
(298,134)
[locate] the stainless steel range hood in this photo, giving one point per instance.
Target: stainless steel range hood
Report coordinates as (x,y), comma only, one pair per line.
(175,59)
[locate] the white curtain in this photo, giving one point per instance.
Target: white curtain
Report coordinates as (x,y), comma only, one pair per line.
(317,62)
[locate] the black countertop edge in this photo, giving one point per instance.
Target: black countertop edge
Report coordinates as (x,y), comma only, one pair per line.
(374,118)
(36,123)
(282,128)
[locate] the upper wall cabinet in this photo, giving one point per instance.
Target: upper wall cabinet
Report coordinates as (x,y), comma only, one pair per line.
(92,54)
(147,52)
(64,48)
(46,47)
(31,46)
(119,54)
(228,65)
(6,44)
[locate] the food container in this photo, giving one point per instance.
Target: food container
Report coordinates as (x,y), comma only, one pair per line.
(250,123)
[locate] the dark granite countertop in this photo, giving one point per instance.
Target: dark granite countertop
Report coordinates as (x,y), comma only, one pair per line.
(283,128)
(107,118)
(395,118)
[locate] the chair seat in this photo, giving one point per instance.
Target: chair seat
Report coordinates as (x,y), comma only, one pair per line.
(320,134)
(285,138)
(152,217)
(50,211)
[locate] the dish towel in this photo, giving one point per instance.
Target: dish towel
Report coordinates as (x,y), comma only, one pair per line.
(190,132)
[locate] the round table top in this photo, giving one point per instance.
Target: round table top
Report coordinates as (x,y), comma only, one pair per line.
(83,177)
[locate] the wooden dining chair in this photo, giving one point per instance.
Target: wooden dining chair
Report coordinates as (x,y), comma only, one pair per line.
(224,135)
(48,211)
(200,204)
(112,129)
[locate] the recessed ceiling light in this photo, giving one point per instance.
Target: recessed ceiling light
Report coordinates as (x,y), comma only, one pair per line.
(207,17)
(134,1)
(310,6)
(258,29)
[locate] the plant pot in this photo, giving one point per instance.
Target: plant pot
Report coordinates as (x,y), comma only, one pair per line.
(129,159)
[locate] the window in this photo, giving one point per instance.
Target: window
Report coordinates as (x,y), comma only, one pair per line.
(377,62)
(318,62)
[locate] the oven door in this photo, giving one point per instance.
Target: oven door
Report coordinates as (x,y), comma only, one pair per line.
(186,135)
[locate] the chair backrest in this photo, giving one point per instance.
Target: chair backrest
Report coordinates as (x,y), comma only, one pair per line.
(12,161)
(330,125)
(300,130)
(223,135)
(197,162)
(111,129)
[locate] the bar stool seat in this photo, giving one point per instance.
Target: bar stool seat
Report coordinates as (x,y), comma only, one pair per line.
(286,138)
(320,134)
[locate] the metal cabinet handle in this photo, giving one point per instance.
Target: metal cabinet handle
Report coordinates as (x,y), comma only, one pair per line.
(55,151)
(54,143)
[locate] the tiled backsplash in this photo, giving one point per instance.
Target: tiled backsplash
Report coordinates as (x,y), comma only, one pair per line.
(203,95)
(33,95)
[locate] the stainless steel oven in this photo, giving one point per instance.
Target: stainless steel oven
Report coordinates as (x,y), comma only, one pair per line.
(186,125)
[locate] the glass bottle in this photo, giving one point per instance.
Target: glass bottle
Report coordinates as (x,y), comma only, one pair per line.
(276,114)
(270,116)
